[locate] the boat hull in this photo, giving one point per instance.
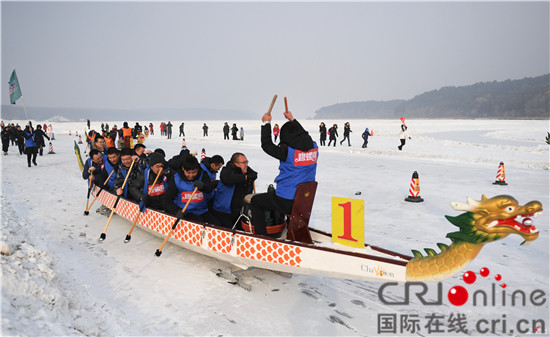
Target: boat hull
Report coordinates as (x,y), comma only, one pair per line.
(247,250)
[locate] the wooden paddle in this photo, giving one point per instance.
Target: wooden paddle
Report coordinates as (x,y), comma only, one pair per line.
(159,251)
(88,197)
(86,212)
(129,236)
(272,103)
(103,236)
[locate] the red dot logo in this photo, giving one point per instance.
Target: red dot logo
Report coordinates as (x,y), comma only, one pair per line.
(498,277)
(469,277)
(458,295)
(484,272)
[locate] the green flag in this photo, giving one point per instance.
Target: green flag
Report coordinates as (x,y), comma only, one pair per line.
(15,89)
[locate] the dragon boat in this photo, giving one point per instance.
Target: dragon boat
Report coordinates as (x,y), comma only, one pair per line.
(305,250)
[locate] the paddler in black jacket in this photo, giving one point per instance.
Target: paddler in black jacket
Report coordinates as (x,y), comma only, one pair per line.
(236,181)
(139,190)
(94,168)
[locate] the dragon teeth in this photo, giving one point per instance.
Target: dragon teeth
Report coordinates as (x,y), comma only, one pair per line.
(534,230)
(493,224)
(517,227)
(537,214)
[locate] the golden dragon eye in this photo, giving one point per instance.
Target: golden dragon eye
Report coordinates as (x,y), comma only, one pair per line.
(509,209)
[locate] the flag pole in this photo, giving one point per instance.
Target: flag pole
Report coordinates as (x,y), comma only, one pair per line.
(24,107)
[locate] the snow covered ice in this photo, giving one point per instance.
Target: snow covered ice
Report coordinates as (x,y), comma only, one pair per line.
(57,279)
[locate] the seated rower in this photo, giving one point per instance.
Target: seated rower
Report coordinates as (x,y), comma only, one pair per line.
(126,162)
(180,187)
(140,155)
(236,181)
(99,143)
(112,163)
(212,165)
(140,185)
(94,169)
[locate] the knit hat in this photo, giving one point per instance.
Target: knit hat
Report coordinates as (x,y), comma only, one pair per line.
(155,158)
(160,151)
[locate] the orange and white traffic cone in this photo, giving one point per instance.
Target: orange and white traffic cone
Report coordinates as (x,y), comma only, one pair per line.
(203,154)
(501,176)
(51,149)
(79,139)
(414,190)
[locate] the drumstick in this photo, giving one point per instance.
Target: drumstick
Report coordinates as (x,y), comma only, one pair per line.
(286,105)
(271,106)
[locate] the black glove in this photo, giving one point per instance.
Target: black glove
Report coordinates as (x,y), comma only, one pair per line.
(145,198)
(180,214)
(251,175)
(199,184)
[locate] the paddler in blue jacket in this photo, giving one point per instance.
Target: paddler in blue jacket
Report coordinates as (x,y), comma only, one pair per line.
(180,188)
(112,163)
(297,154)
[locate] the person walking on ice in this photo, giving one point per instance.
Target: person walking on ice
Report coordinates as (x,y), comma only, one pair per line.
(333,133)
(365,136)
(403,135)
(347,130)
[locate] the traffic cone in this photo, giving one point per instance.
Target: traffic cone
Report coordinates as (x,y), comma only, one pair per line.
(203,154)
(183,144)
(51,149)
(69,132)
(414,190)
(79,139)
(500,175)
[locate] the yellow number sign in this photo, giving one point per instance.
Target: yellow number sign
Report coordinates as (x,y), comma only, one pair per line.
(348,221)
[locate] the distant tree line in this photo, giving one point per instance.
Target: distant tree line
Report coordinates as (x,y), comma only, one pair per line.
(528,98)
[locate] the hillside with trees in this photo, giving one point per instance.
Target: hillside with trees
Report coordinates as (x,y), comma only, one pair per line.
(528,98)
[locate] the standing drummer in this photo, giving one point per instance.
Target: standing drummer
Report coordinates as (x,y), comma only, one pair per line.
(236,181)
(297,154)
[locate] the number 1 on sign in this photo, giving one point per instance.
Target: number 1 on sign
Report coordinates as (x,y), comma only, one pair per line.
(348,221)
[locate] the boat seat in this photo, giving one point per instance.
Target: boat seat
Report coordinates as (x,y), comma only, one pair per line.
(298,229)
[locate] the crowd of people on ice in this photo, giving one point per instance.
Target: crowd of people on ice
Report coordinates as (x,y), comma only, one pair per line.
(119,162)
(332,133)
(29,141)
(190,189)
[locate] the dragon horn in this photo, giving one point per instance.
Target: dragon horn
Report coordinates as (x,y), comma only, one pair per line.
(465,207)
(472,202)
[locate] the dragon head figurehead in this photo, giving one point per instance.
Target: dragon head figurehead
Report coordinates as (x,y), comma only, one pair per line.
(491,219)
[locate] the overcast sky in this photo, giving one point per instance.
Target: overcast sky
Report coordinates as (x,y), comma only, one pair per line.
(129,55)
